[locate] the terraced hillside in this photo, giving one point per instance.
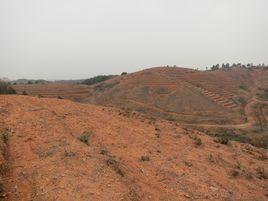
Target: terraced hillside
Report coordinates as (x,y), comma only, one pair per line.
(73,92)
(220,99)
(183,94)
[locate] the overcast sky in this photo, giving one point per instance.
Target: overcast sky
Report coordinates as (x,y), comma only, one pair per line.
(64,39)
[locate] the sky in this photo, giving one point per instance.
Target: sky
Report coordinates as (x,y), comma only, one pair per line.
(73,39)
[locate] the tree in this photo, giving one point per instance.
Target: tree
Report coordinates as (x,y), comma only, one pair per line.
(215,67)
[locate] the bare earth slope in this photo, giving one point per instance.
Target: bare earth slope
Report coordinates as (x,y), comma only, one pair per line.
(45,160)
(181,94)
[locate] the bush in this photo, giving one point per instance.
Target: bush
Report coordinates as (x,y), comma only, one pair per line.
(124,73)
(24,93)
(6,89)
(145,158)
(84,137)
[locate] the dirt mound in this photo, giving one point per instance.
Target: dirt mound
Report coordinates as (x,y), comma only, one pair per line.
(61,150)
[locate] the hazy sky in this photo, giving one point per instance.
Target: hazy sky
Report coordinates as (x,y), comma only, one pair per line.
(62,39)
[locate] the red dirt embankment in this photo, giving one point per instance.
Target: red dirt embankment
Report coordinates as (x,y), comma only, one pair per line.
(48,161)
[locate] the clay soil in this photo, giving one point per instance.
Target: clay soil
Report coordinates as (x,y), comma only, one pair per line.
(55,149)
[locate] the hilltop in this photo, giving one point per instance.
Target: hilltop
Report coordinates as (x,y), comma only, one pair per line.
(56,149)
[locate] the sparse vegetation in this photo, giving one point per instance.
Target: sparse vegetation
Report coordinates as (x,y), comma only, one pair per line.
(145,158)
(84,138)
(242,101)
(234,173)
(115,165)
(5,136)
(197,140)
(24,93)
(261,173)
(104,152)
(222,140)
(97,79)
(243,87)
(263,94)
(5,88)
(124,73)
(103,86)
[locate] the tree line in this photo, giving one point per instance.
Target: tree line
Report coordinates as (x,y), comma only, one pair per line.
(237,65)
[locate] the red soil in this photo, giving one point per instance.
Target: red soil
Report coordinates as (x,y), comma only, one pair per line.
(47,161)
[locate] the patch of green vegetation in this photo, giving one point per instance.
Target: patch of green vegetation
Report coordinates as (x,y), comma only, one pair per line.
(243,87)
(97,79)
(263,95)
(242,101)
(84,138)
(5,88)
(104,86)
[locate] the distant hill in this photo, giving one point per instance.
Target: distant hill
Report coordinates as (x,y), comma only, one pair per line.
(229,101)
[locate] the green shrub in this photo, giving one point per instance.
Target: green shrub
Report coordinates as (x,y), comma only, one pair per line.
(84,138)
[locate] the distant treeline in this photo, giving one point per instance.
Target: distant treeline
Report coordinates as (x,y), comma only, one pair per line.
(237,65)
(97,79)
(6,89)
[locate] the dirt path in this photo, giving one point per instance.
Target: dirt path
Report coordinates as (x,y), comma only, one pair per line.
(248,112)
